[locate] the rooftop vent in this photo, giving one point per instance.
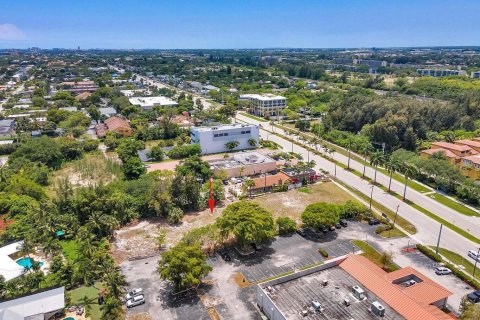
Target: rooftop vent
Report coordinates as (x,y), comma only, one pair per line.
(358,292)
(377,309)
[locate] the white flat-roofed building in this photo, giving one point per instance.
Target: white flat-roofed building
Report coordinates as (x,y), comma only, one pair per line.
(266,105)
(147,103)
(246,163)
(475,74)
(441,72)
(9,269)
(214,139)
(38,306)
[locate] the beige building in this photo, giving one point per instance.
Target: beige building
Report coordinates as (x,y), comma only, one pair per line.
(265,105)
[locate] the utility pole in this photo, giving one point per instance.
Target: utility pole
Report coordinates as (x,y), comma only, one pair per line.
(476,260)
(371,198)
(394,219)
(439,235)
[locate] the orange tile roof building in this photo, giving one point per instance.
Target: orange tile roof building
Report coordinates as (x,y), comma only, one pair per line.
(353,287)
(465,154)
(114,124)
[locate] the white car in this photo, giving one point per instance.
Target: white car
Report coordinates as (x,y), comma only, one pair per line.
(133,293)
(442,271)
(136,301)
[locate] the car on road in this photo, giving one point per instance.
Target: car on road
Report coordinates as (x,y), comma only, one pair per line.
(442,271)
(343,223)
(136,301)
(474,296)
(301,232)
(133,293)
(338,225)
(473,254)
(373,221)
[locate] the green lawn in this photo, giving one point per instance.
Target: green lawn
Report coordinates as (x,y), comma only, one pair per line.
(92,293)
(373,255)
(459,260)
(69,249)
(454,205)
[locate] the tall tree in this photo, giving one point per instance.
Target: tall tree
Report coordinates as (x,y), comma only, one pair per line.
(376,159)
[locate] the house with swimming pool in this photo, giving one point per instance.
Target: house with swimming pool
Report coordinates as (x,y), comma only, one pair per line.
(12,265)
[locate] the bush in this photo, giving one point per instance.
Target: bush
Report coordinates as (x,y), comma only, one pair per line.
(185,151)
(323,252)
(286,225)
(175,215)
(382,228)
(7,148)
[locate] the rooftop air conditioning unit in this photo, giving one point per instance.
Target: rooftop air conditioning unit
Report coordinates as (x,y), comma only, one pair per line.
(377,309)
(316,305)
(358,292)
(325,282)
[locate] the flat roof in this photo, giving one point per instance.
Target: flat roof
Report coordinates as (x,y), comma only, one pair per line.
(263,97)
(223,127)
(293,296)
(152,101)
(33,305)
(241,159)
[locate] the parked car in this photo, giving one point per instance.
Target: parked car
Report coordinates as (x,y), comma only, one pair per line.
(373,221)
(301,232)
(133,293)
(343,223)
(442,271)
(136,301)
(474,296)
(338,225)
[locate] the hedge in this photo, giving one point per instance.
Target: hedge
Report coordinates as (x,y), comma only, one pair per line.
(323,252)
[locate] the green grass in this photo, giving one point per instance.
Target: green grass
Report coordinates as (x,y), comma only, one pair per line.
(92,293)
(69,249)
(251,116)
(454,205)
(274,277)
(373,255)
(459,260)
(304,190)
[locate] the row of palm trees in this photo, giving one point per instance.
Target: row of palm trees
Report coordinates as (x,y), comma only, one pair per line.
(376,158)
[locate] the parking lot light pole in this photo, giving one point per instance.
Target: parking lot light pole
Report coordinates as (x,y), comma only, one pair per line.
(394,219)
(476,261)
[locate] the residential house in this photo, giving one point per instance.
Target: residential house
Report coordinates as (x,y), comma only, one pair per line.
(7,128)
(114,124)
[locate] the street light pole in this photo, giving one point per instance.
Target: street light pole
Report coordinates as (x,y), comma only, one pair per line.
(371,198)
(439,236)
(476,260)
(394,219)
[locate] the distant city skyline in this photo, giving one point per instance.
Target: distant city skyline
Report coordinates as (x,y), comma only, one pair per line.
(216,24)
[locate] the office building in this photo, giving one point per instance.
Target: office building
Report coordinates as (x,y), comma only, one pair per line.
(440,72)
(265,105)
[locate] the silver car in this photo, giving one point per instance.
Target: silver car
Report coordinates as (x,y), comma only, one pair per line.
(136,301)
(133,293)
(442,270)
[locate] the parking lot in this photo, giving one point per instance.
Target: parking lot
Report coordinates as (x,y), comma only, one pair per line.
(284,254)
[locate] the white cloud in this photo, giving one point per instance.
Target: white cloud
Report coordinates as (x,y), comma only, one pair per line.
(10,32)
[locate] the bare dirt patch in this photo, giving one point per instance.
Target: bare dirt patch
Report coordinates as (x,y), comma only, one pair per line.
(292,203)
(240,280)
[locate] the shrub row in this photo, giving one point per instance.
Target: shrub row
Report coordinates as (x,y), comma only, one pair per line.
(323,252)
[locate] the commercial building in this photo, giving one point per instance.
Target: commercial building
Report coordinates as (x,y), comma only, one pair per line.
(475,74)
(147,103)
(7,128)
(370,63)
(244,164)
(265,105)
(215,139)
(353,287)
(79,87)
(440,72)
(39,306)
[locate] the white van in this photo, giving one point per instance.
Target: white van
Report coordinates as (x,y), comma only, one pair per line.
(473,254)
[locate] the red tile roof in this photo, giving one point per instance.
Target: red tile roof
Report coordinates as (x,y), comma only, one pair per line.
(114,123)
(474,159)
(447,153)
(270,180)
(450,146)
(470,143)
(411,302)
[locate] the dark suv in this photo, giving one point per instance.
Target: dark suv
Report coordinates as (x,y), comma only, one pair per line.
(474,296)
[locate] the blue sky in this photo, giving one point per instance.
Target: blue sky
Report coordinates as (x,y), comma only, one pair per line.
(237,23)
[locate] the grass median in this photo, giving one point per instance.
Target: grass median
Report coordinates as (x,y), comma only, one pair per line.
(373,255)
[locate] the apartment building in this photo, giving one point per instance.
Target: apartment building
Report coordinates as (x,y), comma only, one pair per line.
(265,105)
(441,72)
(214,139)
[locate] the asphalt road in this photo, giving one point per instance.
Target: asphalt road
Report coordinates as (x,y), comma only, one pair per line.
(428,229)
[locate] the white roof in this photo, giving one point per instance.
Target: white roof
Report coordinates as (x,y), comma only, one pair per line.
(152,101)
(262,97)
(33,306)
(9,269)
(223,127)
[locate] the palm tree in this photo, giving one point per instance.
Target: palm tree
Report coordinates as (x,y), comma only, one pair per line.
(111,309)
(315,141)
(391,166)
(350,144)
(115,283)
(376,159)
(332,154)
(87,303)
(252,142)
(408,171)
(271,124)
(366,151)
(325,149)
(386,259)
(232,145)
